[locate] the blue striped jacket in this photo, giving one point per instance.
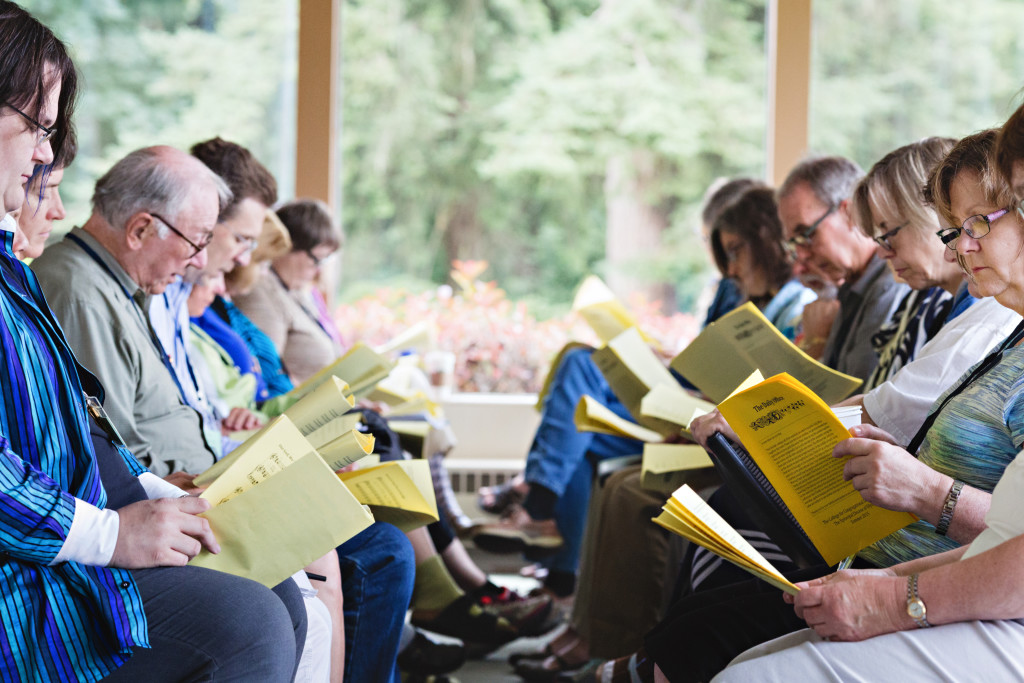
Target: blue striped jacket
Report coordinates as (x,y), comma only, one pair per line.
(67,621)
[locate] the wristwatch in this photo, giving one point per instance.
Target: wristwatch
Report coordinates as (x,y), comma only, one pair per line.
(915,605)
(946,516)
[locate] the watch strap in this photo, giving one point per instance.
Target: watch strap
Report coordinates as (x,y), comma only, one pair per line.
(915,605)
(946,516)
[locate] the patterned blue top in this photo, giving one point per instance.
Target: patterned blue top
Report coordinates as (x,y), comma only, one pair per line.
(974,439)
(68,621)
(260,346)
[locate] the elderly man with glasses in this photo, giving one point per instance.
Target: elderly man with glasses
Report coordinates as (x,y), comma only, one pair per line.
(831,249)
(153,215)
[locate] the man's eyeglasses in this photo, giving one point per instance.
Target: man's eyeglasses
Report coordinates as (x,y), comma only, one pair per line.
(976,226)
(884,240)
(42,132)
(802,235)
(196,247)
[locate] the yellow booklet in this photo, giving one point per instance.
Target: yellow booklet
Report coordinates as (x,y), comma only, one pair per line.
(604,312)
(673,407)
(732,347)
(789,433)
(277,508)
(666,466)
(322,417)
(632,370)
(361,367)
(687,515)
(592,416)
(399,492)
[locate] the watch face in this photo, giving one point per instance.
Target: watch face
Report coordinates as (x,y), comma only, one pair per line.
(915,608)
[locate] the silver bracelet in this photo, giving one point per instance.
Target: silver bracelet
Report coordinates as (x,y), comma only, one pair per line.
(948,506)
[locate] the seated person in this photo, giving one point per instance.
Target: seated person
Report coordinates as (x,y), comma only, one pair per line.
(281,304)
(441,602)
(967,441)
(93,584)
(42,205)
(971,596)
(558,475)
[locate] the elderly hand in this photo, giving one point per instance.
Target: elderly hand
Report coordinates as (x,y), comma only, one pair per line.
(240,419)
(704,426)
(165,532)
(886,475)
(853,604)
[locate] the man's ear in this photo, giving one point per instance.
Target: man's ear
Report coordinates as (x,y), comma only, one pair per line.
(844,210)
(137,229)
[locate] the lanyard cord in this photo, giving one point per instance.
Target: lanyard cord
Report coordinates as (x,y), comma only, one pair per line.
(158,347)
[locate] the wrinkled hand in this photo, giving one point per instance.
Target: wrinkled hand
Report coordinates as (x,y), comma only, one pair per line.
(853,604)
(886,475)
(240,419)
(704,426)
(165,532)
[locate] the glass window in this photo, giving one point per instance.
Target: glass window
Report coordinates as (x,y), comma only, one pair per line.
(176,73)
(887,73)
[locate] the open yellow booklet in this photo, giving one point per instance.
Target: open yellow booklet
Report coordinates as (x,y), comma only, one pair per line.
(361,367)
(687,515)
(789,433)
(673,408)
(277,508)
(398,492)
(742,341)
(603,311)
(632,370)
(322,417)
(666,466)
(592,416)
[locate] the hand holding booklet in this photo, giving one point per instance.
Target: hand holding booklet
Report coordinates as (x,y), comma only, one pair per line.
(277,507)
(789,434)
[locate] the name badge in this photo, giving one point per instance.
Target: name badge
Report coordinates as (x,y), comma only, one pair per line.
(97,412)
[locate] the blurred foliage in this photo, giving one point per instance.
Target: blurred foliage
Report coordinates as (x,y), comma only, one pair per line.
(482,129)
(176,72)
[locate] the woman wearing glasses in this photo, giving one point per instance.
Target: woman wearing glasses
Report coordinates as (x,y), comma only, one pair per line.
(969,444)
(971,595)
(283,304)
(747,244)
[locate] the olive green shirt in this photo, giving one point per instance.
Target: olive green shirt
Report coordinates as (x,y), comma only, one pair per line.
(104,320)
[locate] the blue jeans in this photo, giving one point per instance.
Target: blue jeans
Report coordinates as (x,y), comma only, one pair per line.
(557,458)
(377,571)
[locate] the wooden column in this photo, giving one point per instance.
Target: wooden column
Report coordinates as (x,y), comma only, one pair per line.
(316,136)
(789,79)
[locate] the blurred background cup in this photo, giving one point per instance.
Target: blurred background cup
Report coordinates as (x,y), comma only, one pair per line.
(440,369)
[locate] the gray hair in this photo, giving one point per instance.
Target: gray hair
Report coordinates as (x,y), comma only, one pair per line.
(830,179)
(145,181)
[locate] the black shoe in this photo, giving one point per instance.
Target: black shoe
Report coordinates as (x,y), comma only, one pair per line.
(468,621)
(424,657)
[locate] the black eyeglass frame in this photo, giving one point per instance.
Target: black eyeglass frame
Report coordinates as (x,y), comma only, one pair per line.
(197,247)
(804,238)
(949,236)
(883,240)
(43,134)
